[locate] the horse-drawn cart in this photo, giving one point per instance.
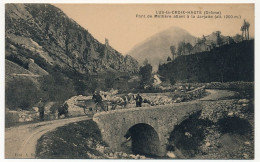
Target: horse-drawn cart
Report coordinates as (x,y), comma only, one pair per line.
(90,107)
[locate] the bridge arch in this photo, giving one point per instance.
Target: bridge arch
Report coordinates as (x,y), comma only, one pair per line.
(144,139)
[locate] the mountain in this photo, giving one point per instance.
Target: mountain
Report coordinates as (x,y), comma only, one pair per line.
(44,35)
(50,56)
(157,48)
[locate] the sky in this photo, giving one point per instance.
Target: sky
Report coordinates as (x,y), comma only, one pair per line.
(120,24)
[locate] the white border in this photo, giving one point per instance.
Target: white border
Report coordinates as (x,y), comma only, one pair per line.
(2,56)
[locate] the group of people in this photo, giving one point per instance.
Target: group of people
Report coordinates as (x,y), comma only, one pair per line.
(96,98)
(63,109)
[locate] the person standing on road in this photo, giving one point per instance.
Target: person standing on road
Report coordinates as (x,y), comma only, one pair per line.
(125,98)
(138,100)
(40,106)
(98,100)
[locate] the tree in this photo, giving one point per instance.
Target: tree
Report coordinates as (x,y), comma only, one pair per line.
(110,81)
(245,30)
(80,86)
(169,59)
(238,38)
(21,93)
(145,62)
(203,39)
(188,47)
(181,48)
(146,74)
(92,84)
(173,52)
(230,40)
(247,27)
(184,48)
(219,39)
(57,87)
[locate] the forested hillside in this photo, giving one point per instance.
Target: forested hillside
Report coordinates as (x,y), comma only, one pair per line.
(231,62)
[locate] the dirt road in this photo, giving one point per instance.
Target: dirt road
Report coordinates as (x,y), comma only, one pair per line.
(20,141)
(217,95)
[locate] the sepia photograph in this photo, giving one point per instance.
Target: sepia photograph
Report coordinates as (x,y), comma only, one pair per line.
(129,81)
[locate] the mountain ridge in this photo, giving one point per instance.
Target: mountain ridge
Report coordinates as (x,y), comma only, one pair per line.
(44,33)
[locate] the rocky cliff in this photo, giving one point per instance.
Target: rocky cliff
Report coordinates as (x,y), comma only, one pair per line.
(44,34)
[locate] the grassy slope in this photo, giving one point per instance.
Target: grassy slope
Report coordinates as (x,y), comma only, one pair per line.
(12,68)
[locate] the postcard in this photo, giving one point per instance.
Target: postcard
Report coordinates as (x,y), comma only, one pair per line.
(129,81)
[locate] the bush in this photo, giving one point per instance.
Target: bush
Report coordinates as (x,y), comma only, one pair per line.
(92,85)
(188,135)
(146,73)
(57,87)
(80,86)
(21,93)
(235,125)
(110,81)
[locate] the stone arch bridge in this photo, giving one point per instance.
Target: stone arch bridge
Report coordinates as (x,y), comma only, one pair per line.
(148,127)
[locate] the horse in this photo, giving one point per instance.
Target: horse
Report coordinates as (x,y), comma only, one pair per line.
(92,106)
(63,110)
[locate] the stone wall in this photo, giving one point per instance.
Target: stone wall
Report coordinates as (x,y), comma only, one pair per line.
(23,116)
(231,85)
(14,117)
(194,94)
(173,97)
(218,85)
